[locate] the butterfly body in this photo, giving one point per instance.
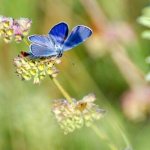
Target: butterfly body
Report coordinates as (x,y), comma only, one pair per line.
(59,50)
(57,41)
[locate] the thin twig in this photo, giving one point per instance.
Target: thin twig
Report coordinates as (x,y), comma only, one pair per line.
(103,136)
(62,90)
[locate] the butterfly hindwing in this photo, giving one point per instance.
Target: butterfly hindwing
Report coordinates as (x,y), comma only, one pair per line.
(78,35)
(41,51)
(59,33)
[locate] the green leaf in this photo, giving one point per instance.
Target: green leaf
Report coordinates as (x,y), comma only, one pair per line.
(146,34)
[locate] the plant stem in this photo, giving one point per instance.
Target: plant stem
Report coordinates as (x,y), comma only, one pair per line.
(103,136)
(62,90)
(26,41)
(128,145)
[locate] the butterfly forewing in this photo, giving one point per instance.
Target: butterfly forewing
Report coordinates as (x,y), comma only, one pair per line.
(78,35)
(59,33)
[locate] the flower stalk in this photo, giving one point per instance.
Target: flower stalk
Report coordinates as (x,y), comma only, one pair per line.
(26,41)
(103,136)
(61,89)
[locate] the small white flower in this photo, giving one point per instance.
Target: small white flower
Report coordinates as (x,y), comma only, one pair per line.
(36,69)
(71,116)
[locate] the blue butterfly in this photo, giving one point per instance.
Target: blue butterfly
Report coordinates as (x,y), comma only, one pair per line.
(57,41)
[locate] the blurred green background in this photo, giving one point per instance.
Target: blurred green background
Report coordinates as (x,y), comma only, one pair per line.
(109,64)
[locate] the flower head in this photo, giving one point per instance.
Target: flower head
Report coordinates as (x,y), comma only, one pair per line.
(28,68)
(76,114)
(136,104)
(14,28)
(21,28)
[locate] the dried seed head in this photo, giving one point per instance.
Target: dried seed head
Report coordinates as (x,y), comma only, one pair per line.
(71,116)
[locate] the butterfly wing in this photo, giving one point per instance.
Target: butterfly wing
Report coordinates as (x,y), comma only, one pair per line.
(42,41)
(41,51)
(59,33)
(42,46)
(78,35)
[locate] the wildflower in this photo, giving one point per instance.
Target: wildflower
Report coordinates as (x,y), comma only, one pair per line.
(28,68)
(21,28)
(71,116)
(14,28)
(6,28)
(136,104)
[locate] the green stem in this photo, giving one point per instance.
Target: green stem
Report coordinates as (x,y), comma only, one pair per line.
(103,136)
(26,41)
(99,134)
(128,145)
(62,90)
